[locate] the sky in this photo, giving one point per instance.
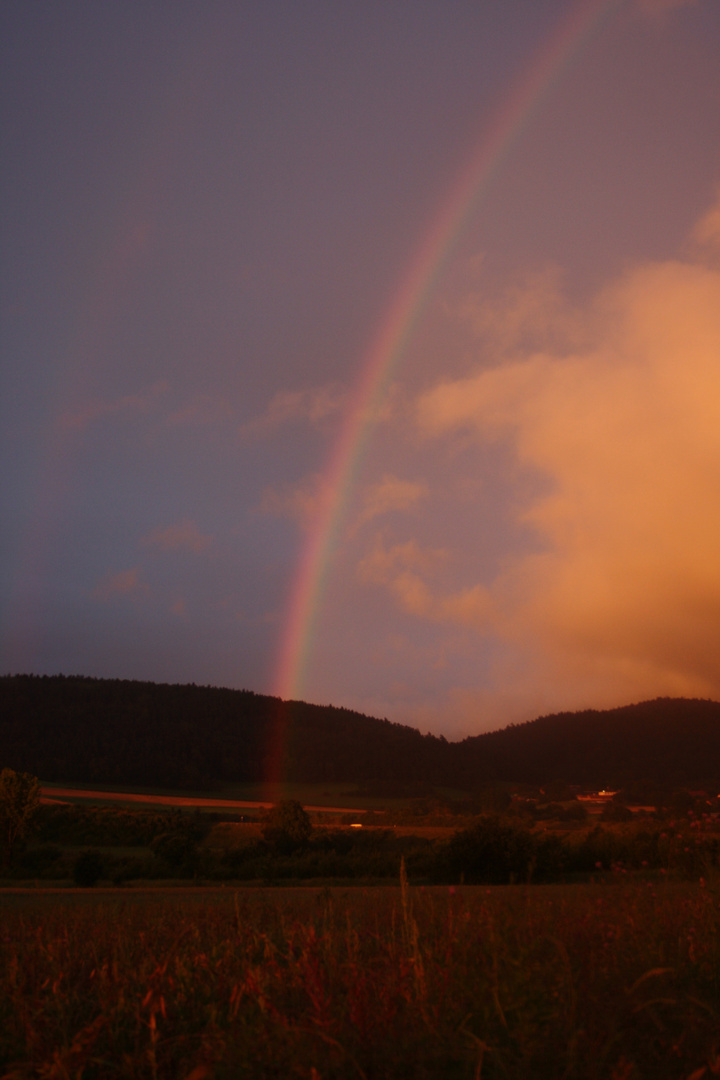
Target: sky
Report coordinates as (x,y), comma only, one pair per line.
(365,354)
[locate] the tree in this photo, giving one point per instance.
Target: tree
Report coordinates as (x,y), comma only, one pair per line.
(287,826)
(19,802)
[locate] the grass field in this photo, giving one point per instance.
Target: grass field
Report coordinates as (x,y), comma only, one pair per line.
(612,981)
(55,794)
(321,796)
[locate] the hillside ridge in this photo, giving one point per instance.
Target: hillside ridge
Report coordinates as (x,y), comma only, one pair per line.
(201,737)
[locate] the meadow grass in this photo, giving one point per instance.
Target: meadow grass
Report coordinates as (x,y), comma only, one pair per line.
(607,981)
(326,794)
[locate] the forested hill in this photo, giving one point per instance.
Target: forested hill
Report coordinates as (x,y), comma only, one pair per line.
(116,731)
(112,731)
(673,741)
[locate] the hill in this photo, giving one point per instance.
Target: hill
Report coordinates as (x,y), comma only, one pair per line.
(669,741)
(122,732)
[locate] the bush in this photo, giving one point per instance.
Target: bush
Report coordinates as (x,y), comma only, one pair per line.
(495,800)
(87,869)
(176,848)
(493,851)
(104,826)
(612,811)
(19,804)
(40,861)
(287,827)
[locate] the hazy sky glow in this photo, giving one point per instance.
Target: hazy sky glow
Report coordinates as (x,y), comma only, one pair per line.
(284,407)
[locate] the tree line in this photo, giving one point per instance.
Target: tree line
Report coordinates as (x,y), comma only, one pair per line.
(88,844)
(200,737)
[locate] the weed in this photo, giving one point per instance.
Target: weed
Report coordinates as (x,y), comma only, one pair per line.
(545,982)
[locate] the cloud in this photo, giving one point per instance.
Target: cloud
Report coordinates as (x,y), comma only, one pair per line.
(620,595)
(661,7)
(390,494)
(301,502)
(201,411)
(124,583)
(184,535)
(307,500)
(532,313)
(404,570)
(81,418)
(295,406)
(707,230)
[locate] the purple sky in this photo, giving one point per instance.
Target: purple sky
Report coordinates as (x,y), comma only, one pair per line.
(207,212)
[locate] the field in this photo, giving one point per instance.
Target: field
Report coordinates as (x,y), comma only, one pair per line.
(326,797)
(52,793)
(615,980)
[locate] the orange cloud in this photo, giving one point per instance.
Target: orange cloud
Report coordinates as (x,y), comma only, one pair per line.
(533,313)
(310,406)
(183,535)
(404,570)
(81,418)
(124,583)
(661,7)
(621,597)
(300,502)
(203,410)
(707,230)
(390,494)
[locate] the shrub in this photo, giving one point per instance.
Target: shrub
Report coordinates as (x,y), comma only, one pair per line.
(87,869)
(493,850)
(19,803)
(39,861)
(287,827)
(176,848)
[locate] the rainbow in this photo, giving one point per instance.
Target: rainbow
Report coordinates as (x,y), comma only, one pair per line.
(379,363)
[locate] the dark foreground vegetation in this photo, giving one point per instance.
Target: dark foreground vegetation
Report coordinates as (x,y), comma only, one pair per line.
(200,737)
(527,942)
(88,844)
(595,982)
